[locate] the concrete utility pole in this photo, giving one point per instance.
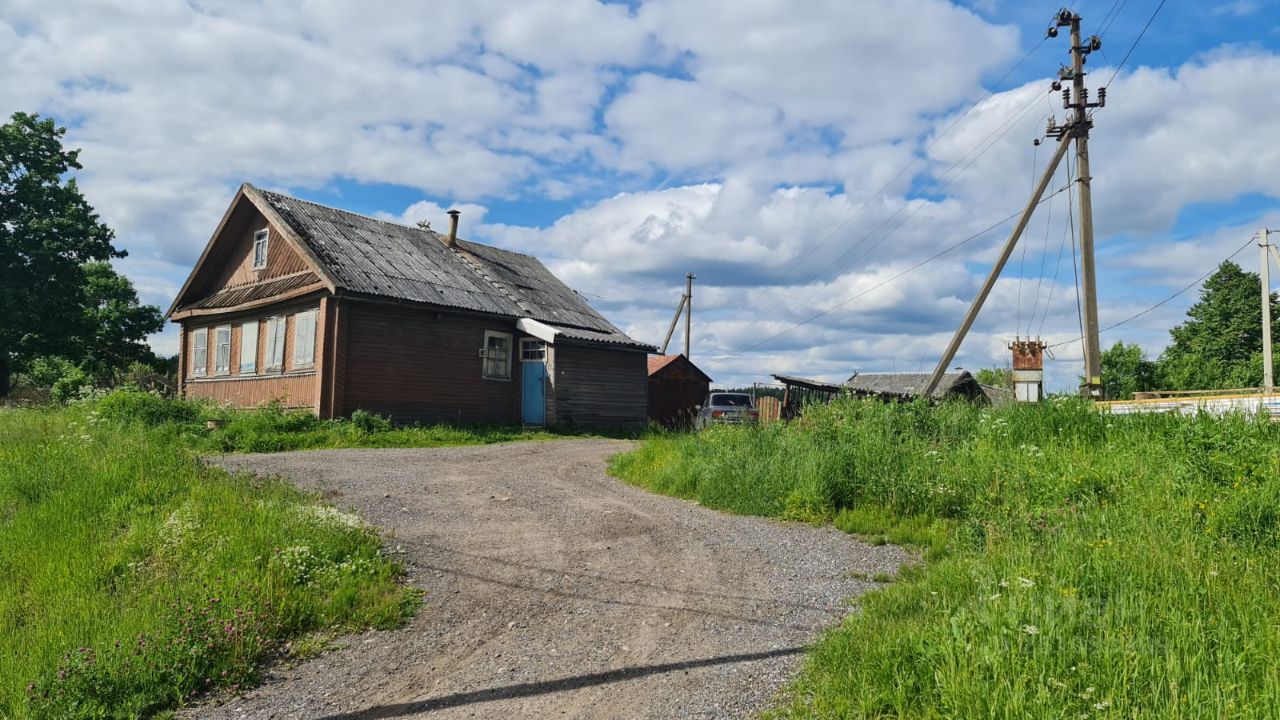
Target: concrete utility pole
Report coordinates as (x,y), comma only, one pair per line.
(1080,130)
(1268,377)
(1077,129)
(684,306)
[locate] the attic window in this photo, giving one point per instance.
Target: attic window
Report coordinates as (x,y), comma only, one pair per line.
(260,249)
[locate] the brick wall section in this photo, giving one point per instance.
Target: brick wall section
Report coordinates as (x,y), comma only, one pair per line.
(600,386)
(419,365)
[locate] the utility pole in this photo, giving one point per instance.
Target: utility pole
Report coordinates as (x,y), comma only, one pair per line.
(1080,126)
(688,312)
(1268,378)
(684,306)
(1077,129)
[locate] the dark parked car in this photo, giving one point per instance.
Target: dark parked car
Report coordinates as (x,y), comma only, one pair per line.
(727,408)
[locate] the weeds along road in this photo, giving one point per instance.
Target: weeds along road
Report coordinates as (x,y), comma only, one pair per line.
(553,590)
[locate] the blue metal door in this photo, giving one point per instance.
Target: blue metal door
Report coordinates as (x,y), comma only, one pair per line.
(533,377)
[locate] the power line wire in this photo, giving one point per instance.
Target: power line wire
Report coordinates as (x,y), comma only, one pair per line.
(1136,40)
(914,160)
(1135,316)
(887,281)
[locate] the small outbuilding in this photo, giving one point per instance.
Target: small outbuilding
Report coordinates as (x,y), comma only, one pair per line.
(908,386)
(676,388)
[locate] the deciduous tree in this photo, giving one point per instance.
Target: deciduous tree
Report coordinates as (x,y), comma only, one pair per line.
(1220,344)
(58,297)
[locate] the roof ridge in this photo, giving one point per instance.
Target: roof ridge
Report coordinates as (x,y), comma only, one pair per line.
(383,220)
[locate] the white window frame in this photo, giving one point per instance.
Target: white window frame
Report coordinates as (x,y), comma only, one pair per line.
(484,354)
(304,340)
(261,239)
(274,359)
(248,347)
(199,352)
(221,359)
(533,350)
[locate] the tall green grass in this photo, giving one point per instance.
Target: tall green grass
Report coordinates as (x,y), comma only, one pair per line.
(1078,564)
(132,576)
(274,429)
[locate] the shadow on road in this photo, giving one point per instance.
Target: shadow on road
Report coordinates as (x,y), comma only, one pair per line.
(551,686)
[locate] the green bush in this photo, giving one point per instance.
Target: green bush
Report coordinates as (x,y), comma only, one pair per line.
(368,422)
(66,381)
(131,404)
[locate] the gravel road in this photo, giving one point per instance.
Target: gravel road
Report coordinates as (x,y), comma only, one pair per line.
(553,590)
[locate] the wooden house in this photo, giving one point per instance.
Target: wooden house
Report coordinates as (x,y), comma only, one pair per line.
(908,386)
(676,388)
(324,309)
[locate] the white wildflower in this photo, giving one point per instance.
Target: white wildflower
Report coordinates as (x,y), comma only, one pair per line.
(994,597)
(1026,582)
(1004,583)
(178,526)
(329,515)
(1030,629)
(1102,705)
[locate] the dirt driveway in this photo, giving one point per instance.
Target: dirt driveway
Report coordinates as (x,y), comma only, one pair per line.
(553,590)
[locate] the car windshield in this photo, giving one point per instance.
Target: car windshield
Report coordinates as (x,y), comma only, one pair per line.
(723,399)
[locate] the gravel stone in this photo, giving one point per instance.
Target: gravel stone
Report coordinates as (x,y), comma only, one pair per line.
(553,590)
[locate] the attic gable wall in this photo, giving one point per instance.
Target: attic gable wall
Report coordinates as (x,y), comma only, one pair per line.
(230,260)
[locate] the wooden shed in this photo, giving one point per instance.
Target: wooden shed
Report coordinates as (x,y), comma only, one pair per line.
(318,308)
(676,388)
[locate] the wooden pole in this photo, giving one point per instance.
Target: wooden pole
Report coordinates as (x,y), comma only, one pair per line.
(688,312)
(1009,244)
(671,330)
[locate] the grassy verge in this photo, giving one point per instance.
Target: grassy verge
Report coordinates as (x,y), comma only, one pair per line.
(1078,564)
(133,576)
(272,429)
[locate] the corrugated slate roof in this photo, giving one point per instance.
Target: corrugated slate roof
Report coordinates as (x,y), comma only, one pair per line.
(904,384)
(386,259)
(233,296)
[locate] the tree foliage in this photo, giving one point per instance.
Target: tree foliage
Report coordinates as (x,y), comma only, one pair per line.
(1126,370)
(1220,344)
(58,295)
(995,377)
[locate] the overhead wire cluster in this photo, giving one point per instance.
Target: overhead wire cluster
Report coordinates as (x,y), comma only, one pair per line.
(943,180)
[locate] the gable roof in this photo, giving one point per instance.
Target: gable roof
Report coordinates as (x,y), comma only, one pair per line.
(361,255)
(906,384)
(657,363)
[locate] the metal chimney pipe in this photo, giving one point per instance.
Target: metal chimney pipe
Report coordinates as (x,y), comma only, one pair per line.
(452,240)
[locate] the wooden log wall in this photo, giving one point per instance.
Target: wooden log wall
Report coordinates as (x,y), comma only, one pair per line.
(600,386)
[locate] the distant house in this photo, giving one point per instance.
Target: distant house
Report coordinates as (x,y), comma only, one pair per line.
(676,388)
(908,386)
(884,386)
(324,309)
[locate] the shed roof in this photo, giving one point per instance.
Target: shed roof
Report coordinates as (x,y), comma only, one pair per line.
(808,384)
(906,384)
(368,256)
(658,363)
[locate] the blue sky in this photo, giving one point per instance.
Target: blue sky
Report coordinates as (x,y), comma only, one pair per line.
(801,164)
